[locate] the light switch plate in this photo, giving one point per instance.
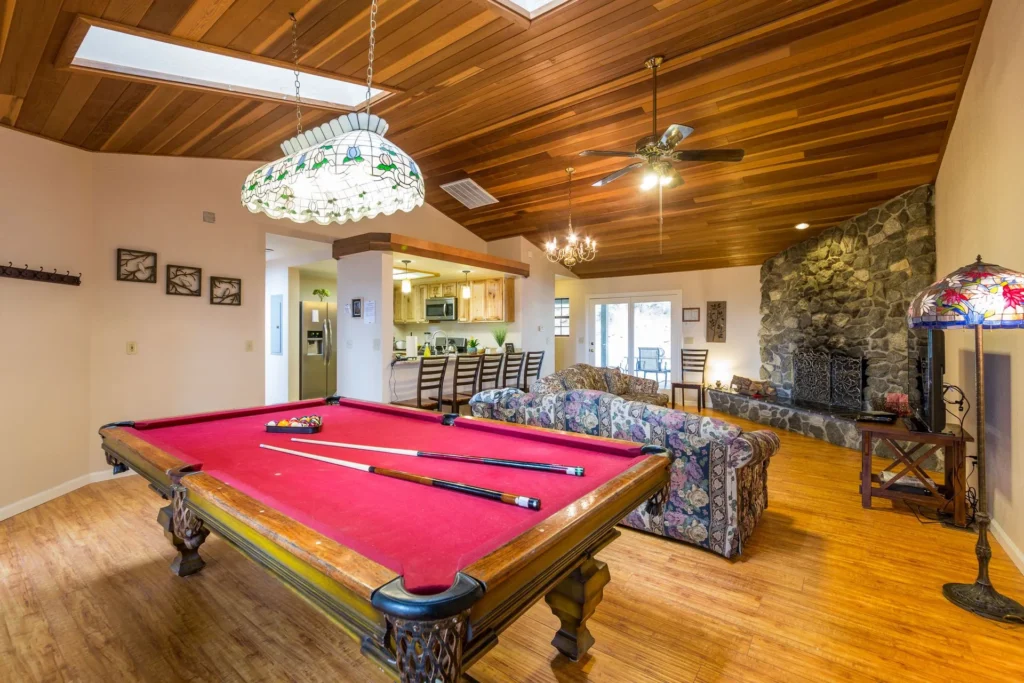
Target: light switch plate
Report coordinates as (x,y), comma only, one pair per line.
(249,346)
(688,340)
(131,348)
(348,343)
(376,344)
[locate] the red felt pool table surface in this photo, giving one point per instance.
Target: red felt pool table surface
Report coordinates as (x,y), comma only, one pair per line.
(423,533)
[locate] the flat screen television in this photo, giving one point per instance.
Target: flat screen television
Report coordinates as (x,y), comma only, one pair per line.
(929,369)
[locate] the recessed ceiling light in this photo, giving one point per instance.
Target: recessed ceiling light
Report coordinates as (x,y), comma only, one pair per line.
(802,226)
(107,49)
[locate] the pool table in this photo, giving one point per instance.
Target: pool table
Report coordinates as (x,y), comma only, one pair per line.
(425,578)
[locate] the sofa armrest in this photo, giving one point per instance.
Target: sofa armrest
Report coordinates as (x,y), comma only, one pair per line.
(751,448)
(641,385)
(496,404)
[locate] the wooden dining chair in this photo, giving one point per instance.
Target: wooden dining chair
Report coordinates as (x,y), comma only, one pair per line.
(465,375)
(513,368)
(531,369)
(693,362)
(430,380)
(490,371)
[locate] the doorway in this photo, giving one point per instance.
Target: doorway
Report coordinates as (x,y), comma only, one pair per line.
(638,334)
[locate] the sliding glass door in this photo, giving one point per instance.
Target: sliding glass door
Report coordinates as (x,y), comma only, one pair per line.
(638,334)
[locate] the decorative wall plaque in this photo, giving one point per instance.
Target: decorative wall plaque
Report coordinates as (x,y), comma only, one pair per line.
(225,291)
(716,321)
(184,280)
(136,266)
(691,315)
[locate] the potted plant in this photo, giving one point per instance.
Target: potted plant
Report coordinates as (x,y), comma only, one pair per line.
(471,345)
(322,293)
(499,333)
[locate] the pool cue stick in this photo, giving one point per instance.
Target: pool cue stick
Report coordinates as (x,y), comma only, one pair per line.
(490,494)
(518,464)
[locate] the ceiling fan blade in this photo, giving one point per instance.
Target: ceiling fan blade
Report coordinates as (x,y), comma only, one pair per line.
(605,153)
(674,134)
(618,174)
(708,155)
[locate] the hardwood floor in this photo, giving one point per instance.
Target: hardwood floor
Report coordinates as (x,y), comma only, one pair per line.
(824,591)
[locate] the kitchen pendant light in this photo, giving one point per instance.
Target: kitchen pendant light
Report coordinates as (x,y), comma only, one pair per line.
(467,292)
(406,285)
(343,170)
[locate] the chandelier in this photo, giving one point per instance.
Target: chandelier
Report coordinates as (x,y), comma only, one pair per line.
(343,170)
(576,249)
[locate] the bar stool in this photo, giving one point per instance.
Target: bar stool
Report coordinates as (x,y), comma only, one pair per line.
(513,367)
(431,378)
(534,359)
(466,374)
(490,371)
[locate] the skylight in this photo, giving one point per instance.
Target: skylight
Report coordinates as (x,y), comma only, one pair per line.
(531,9)
(104,49)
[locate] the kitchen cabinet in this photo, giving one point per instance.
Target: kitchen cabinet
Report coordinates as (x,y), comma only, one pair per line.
(492,300)
(399,306)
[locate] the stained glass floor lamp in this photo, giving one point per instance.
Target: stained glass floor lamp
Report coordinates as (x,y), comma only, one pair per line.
(979,296)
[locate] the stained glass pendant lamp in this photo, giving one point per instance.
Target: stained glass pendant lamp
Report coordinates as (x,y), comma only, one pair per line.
(976,296)
(343,170)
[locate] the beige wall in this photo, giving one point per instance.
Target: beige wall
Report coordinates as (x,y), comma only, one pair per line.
(46,194)
(740,287)
(978,209)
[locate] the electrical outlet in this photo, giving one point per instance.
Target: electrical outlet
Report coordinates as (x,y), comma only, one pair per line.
(131,348)
(249,346)
(688,341)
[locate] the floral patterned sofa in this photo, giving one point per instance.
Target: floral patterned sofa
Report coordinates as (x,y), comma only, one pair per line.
(719,473)
(611,380)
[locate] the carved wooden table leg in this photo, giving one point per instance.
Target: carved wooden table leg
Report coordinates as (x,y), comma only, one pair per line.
(185,531)
(430,651)
(573,601)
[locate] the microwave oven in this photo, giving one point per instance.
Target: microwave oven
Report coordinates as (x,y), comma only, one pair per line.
(441,308)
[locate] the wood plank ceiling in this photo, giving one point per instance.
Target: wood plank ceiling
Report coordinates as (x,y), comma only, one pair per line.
(840,105)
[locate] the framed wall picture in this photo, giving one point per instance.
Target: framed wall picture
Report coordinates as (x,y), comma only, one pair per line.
(136,266)
(225,291)
(691,315)
(716,322)
(357,308)
(184,280)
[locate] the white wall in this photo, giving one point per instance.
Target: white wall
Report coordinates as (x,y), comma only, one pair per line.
(364,347)
(978,209)
(739,287)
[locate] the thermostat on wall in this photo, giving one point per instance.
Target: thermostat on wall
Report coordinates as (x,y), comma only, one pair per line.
(209,217)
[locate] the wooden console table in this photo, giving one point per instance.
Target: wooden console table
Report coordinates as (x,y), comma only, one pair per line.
(909,458)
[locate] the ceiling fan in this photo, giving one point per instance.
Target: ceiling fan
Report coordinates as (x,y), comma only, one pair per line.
(658,153)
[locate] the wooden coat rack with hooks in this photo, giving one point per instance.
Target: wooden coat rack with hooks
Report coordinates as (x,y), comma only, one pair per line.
(40,275)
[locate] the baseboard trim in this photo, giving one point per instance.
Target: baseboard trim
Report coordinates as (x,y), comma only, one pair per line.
(57,491)
(1016,556)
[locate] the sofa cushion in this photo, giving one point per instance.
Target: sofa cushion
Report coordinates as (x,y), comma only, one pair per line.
(652,399)
(616,381)
(583,376)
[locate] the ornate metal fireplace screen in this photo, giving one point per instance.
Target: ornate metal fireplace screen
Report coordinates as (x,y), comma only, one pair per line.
(829,379)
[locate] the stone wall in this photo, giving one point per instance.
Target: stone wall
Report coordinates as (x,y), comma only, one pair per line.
(848,290)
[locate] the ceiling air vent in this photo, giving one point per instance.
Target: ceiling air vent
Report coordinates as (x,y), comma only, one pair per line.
(469,193)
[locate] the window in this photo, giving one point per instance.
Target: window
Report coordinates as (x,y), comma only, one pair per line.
(562,317)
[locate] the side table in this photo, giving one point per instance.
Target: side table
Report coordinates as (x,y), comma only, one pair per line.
(918,446)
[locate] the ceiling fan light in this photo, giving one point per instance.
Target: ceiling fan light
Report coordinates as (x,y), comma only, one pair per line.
(665,180)
(650,180)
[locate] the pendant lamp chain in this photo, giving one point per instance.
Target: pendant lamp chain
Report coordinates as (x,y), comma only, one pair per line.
(369,65)
(295,61)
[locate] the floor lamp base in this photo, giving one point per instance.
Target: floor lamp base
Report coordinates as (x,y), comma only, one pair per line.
(984,601)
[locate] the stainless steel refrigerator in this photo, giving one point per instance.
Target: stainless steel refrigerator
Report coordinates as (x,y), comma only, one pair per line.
(318,355)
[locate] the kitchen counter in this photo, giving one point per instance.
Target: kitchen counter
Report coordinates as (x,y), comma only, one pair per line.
(405,375)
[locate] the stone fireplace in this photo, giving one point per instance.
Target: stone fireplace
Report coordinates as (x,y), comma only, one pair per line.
(834,336)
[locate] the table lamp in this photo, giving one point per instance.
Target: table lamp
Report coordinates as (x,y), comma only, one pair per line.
(976,296)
